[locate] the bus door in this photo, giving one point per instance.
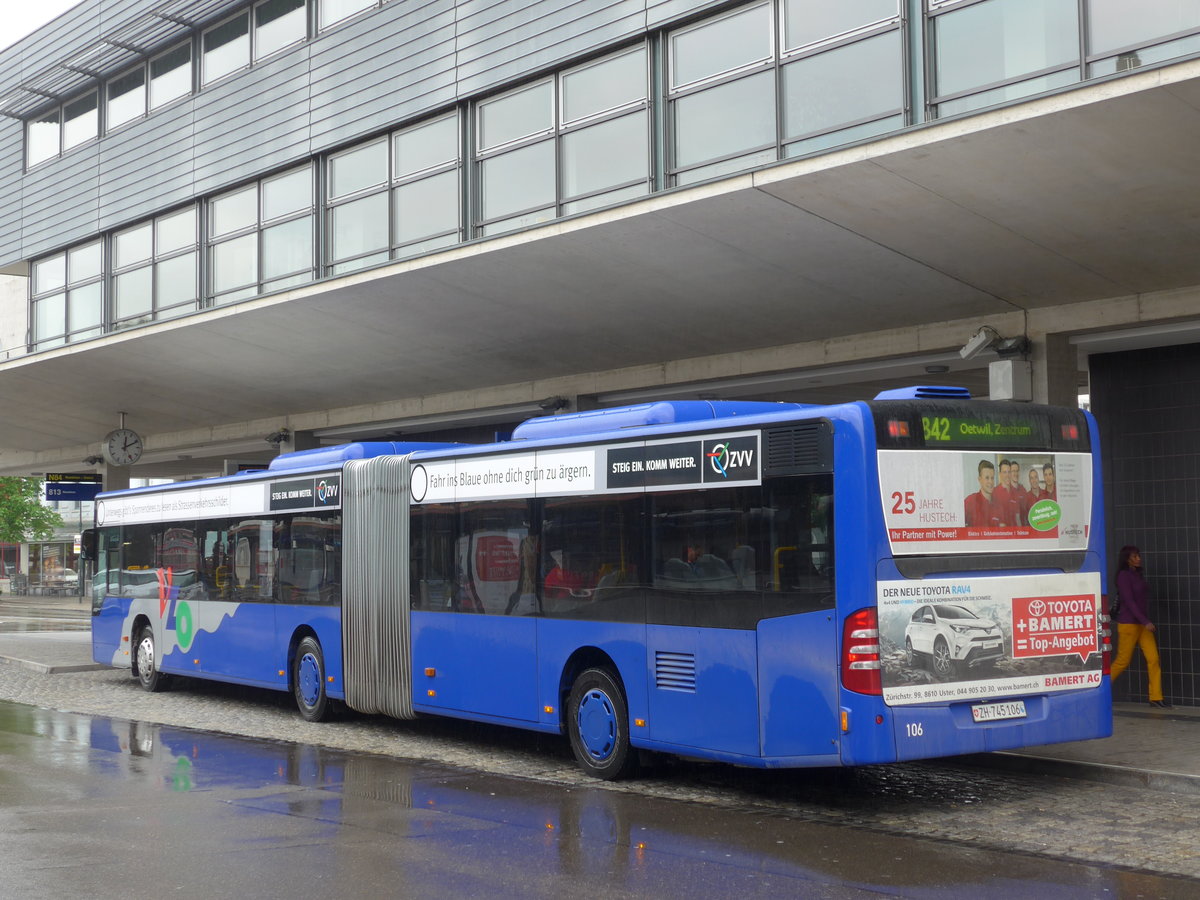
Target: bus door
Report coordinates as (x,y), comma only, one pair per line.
(480,636)
(236,597)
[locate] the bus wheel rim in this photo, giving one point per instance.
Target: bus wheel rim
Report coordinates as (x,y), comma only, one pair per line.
(597,725)
(310,679)
(145,655)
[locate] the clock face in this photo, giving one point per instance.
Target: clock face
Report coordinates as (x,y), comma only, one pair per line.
(122,447)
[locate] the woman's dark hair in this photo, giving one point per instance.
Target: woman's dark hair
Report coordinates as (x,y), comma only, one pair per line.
(1123,556)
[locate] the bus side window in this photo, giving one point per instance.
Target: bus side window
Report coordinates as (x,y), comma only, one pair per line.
(801,533)
(433,538)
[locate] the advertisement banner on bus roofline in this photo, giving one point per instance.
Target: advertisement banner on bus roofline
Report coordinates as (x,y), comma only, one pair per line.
(939,501)
(709,461)
(972,638)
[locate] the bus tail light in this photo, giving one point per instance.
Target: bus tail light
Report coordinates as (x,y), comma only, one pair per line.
(1105,638)
(860,653)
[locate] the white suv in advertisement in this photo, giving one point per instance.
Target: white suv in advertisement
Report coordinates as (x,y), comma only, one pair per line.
(953,638)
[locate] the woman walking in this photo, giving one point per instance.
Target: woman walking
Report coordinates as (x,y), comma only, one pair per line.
(1134,628)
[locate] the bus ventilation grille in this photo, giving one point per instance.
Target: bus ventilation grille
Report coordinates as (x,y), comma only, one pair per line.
(799,449)
(675,671)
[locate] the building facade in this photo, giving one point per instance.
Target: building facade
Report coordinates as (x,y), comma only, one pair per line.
(252,226)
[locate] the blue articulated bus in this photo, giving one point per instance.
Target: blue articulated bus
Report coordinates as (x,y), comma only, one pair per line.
(765,584)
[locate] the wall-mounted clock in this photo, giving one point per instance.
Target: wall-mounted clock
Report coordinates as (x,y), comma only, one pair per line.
(122,447)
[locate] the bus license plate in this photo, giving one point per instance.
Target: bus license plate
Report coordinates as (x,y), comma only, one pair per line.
(989,712)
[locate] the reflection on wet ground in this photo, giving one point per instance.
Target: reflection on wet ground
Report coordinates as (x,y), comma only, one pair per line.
(412,828)
(9,624)
(22,613)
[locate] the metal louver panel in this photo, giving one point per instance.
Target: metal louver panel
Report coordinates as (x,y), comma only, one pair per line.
(800,449)
(376,638)
(675,671)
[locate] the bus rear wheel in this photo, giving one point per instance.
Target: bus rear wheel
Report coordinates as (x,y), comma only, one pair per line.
(308,681)
(146,661)
(598,726)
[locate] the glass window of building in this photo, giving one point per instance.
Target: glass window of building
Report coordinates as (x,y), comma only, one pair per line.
(1123,35)
(81,120)
(721,46)
(1000,50)
(426,172)
(334,11)
(171,76)
(261,236)
(156,269)
(278,24)
(722,106)
(847,85)
(358,169)
(518,186)
(604,149)
(396,196)
(809,22)
(515,147)
(235,211)
(735,120)
(226,48)
(68,296)
(565,145)
(358,233)
(607,86)
(287,212)
(358,207)
(523,113)
(42,138)
(126,98)
(842,75)
(742,95)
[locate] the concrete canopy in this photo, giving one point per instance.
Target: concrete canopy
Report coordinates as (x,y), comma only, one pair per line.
(1084,195)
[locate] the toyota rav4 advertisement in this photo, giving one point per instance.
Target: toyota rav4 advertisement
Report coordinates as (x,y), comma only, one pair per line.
(970,638)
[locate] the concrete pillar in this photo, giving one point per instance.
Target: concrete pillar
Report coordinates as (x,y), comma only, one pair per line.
(299,440)
(1055,370)
(116,478)
(580,403)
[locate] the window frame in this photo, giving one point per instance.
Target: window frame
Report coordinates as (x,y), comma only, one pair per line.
(255,229)
(151,263)
(205,79)
(144,69)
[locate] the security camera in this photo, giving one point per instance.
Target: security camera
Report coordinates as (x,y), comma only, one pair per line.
(980,341)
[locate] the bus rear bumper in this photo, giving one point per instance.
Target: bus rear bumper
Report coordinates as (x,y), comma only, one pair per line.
(951,730)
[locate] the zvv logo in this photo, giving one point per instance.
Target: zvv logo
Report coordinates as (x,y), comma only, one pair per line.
(327,491)
(732,459)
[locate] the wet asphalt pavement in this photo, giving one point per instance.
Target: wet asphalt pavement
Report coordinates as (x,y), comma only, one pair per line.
(513,814)
(98,807)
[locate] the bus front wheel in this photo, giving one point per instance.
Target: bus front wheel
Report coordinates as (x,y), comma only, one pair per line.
(147,662)
(308,681)
(598,726)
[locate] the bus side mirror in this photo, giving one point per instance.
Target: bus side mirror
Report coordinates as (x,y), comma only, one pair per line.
(87,544)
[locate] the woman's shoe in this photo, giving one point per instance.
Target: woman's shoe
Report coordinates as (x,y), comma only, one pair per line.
(1161,704)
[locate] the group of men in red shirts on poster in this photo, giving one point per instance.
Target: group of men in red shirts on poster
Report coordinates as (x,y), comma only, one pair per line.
(1007,503)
